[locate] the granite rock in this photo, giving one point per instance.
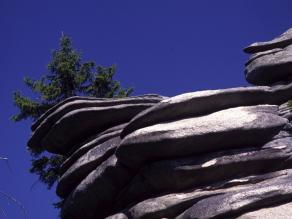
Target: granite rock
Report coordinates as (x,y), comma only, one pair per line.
(231,128)
(222,153)
(270,68)
(282,41)
(94,196)
(205,102)
(86,164)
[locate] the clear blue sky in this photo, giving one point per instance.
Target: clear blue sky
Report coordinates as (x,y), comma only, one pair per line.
(160,46)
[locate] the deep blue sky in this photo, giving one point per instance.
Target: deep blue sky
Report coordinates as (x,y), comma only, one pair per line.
(160,46)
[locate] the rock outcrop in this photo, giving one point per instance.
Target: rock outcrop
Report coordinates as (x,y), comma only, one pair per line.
(209,154)
(270,62)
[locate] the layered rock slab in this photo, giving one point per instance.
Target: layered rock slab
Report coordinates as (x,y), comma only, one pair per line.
(88,145)
(206,169)
(84,110)
(204,102)
(206,154)
(231,128)
(232,204)
(283,211)
(94,196)
(282,41)
(84,165)
(72,127)
(270,68)
(173,204)
(77,102)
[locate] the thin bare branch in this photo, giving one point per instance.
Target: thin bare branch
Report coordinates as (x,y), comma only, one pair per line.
(34,184)
(7,163)
(12,199)
(3,212)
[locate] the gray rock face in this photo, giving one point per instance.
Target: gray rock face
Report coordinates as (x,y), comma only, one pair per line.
(205,102)
(95,194)
(86,146)
(85,164)
(117,216)
(76,102)
(209,154)
(282,41)
(206,169)
(235,203)
(280,212)
(173,204)
(271,67)
(271,61)
(88,109)
(71,128)
(231,128)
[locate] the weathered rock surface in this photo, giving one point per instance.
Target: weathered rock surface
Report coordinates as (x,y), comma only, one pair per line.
(76,102)
(94,196)
(86,146)
(85,164)
(71,128)
(270,62)
(280,42)
(231,128)
(205,102)
(234,203)
(260,54)
(171,205)
(206,169)
(271,67)
(209,154)
(280,212)
(71,114)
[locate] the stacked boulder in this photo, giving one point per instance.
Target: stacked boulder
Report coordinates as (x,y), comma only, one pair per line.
(270,62)
(210,154)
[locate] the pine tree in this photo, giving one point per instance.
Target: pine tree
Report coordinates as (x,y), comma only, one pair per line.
(67,76)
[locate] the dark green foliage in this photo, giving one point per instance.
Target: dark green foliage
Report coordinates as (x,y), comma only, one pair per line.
(104,86)
(67,76)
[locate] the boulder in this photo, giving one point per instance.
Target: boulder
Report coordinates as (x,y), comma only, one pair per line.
(269,68)
(204,102)
(282,41)
(84,165)
(225,129)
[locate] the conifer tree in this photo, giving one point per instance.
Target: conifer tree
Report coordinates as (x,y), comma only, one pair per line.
(67,76)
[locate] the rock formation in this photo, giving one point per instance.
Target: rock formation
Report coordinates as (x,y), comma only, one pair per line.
(209,154)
